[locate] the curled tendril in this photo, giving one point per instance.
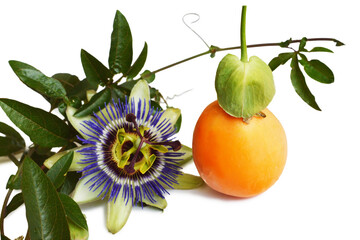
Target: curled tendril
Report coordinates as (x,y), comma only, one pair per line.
(192,22)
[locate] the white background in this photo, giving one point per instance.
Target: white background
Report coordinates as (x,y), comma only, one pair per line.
(318,194)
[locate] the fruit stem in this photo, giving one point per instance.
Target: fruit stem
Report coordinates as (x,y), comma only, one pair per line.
(244,57)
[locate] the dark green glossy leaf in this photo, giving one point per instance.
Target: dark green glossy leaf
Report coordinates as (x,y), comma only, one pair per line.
(302,45)
(94,70)
(70,182)
(120,56)
(42,127)
(139,63)
(73,211)
(318,71)
(281,59)
(36,80)
(68,81)
(126,87)
(12,140)
(44,211)
(57,172)
(80,89)
(321,49)
(299,84)
(148,76)
(15,202)
(117,93)
(96,102)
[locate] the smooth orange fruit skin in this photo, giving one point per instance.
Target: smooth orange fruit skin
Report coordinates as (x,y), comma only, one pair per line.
(236,158)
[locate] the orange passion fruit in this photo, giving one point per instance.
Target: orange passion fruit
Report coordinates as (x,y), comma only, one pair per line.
(238,158)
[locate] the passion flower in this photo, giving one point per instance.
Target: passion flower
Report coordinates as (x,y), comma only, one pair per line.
(129,156)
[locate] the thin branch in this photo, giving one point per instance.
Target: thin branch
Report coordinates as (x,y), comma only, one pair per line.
(277,44)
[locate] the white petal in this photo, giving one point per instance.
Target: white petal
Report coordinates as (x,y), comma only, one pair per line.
(82,193)
(172,115)
(140,92)
(75,165)
(117,213)
(76,122)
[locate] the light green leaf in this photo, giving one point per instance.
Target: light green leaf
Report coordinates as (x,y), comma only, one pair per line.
(42,127)
(44,211)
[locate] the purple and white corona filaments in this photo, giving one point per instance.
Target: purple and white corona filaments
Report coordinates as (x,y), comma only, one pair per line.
(131,149)
(129,156)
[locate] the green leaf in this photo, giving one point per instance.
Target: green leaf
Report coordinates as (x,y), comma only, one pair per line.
(148,76)
(98,100)
(68,81)
(14,182)
(73,211)
(94,70)
(11,142)
(120,56)
(318,71)
(42,127)
(80,89)
(139,63)
(15,202)
(3,237)
(286,43)
(178,123)
(299,84)
(338,43)
(70,182)
(36,80)
(321,49)
(57,172)
(44,211)
(302,45)
(188,181)
(281,59)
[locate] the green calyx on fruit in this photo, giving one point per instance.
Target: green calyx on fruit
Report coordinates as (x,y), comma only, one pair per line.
(244,87)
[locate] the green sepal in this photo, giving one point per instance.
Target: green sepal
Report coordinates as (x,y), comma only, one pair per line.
(244,88)
(188,181)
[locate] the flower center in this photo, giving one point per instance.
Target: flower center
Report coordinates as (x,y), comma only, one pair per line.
(133,152)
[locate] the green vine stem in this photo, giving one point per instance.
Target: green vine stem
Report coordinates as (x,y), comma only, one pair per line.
(244,57)
(213,50)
